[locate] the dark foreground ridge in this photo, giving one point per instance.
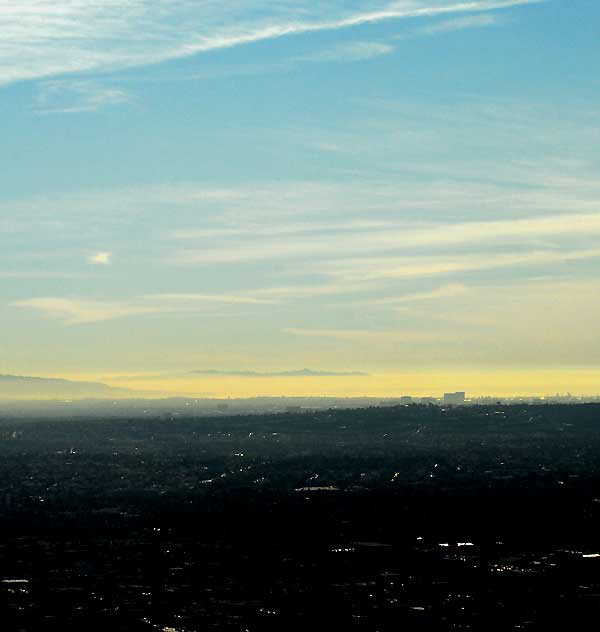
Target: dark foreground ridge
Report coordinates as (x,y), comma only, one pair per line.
(396,518)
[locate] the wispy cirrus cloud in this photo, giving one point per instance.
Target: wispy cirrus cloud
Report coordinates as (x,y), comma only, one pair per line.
(190,298)
(445,291)
(43,38)
(77,312)
(273,230)
(350,277)
(535,323)
(369,336)
(380,275)
(363,270)
(348,51)
(68,96)
(458,24)
(400,236)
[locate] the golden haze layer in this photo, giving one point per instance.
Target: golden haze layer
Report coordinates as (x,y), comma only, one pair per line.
(419,384)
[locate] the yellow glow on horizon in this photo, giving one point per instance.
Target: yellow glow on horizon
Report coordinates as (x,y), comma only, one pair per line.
(419,384)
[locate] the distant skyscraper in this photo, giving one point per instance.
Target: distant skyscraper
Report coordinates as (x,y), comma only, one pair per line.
(456,399)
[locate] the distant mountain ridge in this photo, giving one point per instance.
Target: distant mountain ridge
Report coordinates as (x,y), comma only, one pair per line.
(29,387)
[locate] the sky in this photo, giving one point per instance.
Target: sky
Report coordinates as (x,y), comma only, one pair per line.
(408,189)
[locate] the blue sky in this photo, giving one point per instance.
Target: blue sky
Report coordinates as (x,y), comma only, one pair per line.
(372,186)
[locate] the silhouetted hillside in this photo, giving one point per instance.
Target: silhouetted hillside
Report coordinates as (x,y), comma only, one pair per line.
(26,387)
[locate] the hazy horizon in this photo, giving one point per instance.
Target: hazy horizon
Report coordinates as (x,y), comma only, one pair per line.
(222,385)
